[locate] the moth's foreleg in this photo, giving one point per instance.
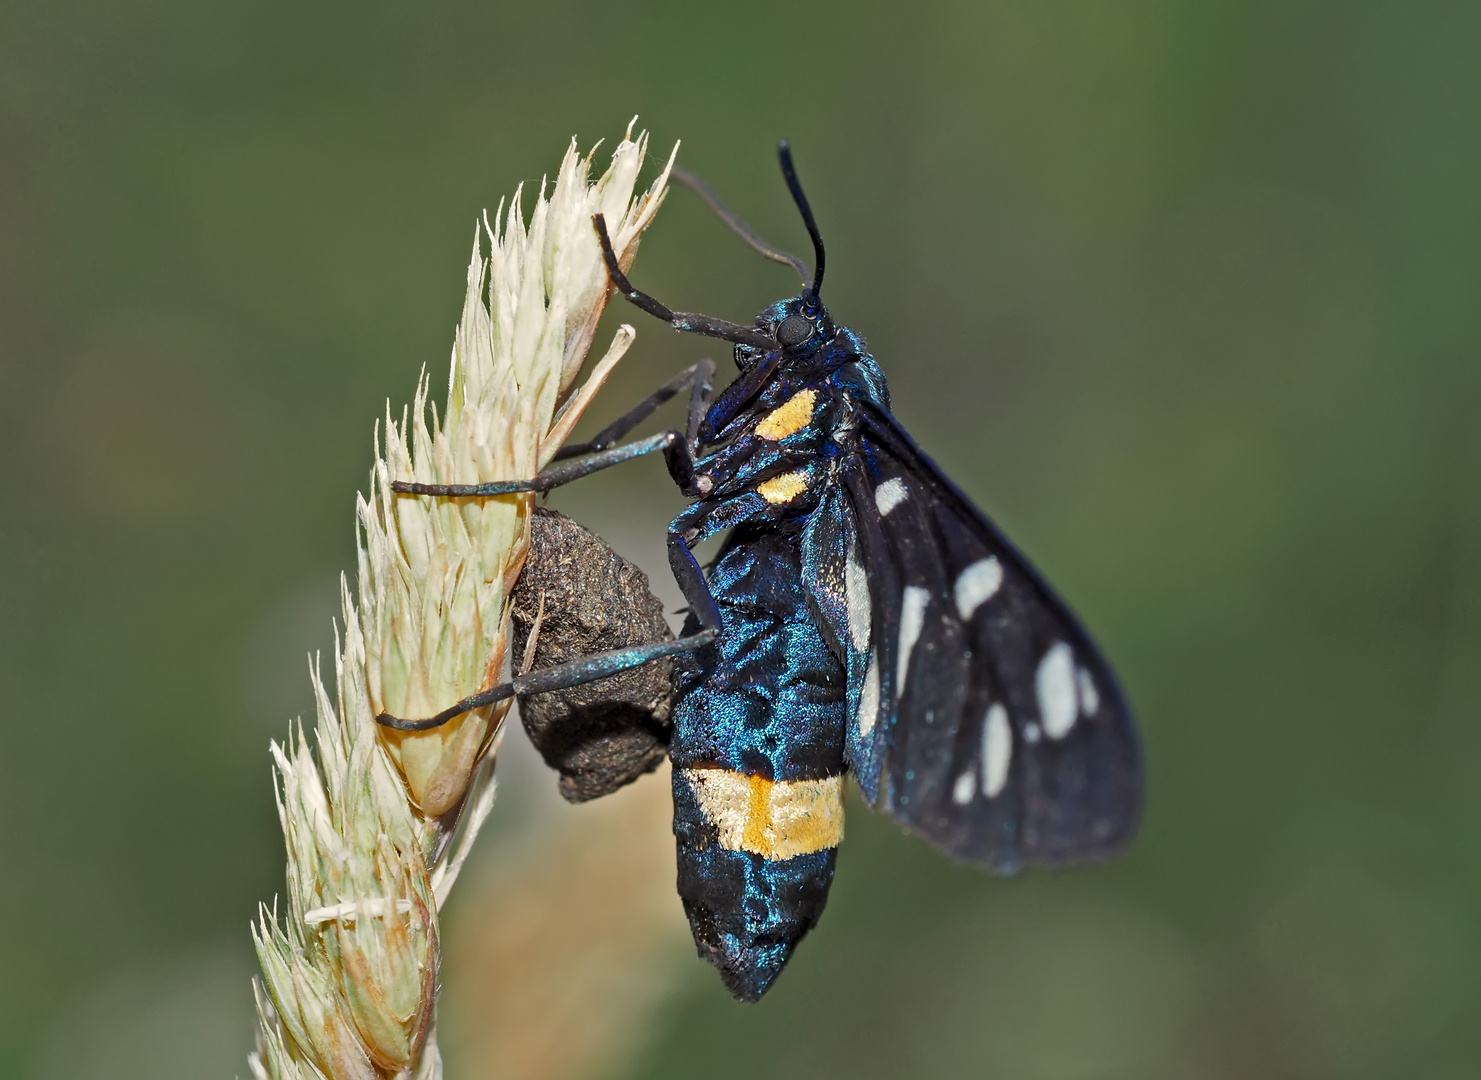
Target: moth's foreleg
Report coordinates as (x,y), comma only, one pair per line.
(687,321)
(670,442)
(698,379)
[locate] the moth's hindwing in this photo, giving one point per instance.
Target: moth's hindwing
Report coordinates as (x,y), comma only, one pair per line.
(996,730)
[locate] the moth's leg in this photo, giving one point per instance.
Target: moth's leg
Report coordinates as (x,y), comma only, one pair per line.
(672,443)
(687,321)
(696,525)
(559,677)
(689,574)
(598,665)
(699,403)
(699,379)
(691,527)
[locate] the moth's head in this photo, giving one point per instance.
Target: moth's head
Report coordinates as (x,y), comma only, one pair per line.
(800,326)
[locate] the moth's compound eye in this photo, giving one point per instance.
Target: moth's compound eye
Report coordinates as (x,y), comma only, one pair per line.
(794,330)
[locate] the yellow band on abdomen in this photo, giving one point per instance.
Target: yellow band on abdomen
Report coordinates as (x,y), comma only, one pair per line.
(776,819)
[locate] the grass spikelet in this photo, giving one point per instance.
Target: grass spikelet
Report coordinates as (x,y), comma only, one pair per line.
(377,823)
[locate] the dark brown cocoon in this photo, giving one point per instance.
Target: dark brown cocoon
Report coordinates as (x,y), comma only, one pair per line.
(608,733)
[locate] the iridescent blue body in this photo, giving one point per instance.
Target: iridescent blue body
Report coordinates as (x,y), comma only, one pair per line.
(766,701)
(769,700)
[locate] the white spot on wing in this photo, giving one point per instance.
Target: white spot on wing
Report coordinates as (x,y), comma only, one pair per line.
(1031,733)
(1054,684)
(912,622)
(1089,699)
(976,585)
(890,494)
(997,749)
(963,789)
(869,696)
(856,589)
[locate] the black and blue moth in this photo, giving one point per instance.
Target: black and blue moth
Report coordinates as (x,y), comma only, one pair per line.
(862,617)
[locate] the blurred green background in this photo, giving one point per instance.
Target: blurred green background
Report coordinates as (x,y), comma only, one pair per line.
(1186,294)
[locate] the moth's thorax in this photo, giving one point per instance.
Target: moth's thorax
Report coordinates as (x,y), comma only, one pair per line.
(782,443)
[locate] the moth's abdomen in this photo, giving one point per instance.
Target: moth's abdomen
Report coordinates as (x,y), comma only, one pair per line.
(758,767)
(755,863)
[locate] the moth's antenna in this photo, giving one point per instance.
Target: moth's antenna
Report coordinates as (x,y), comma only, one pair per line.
(784,151)
(736,225)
